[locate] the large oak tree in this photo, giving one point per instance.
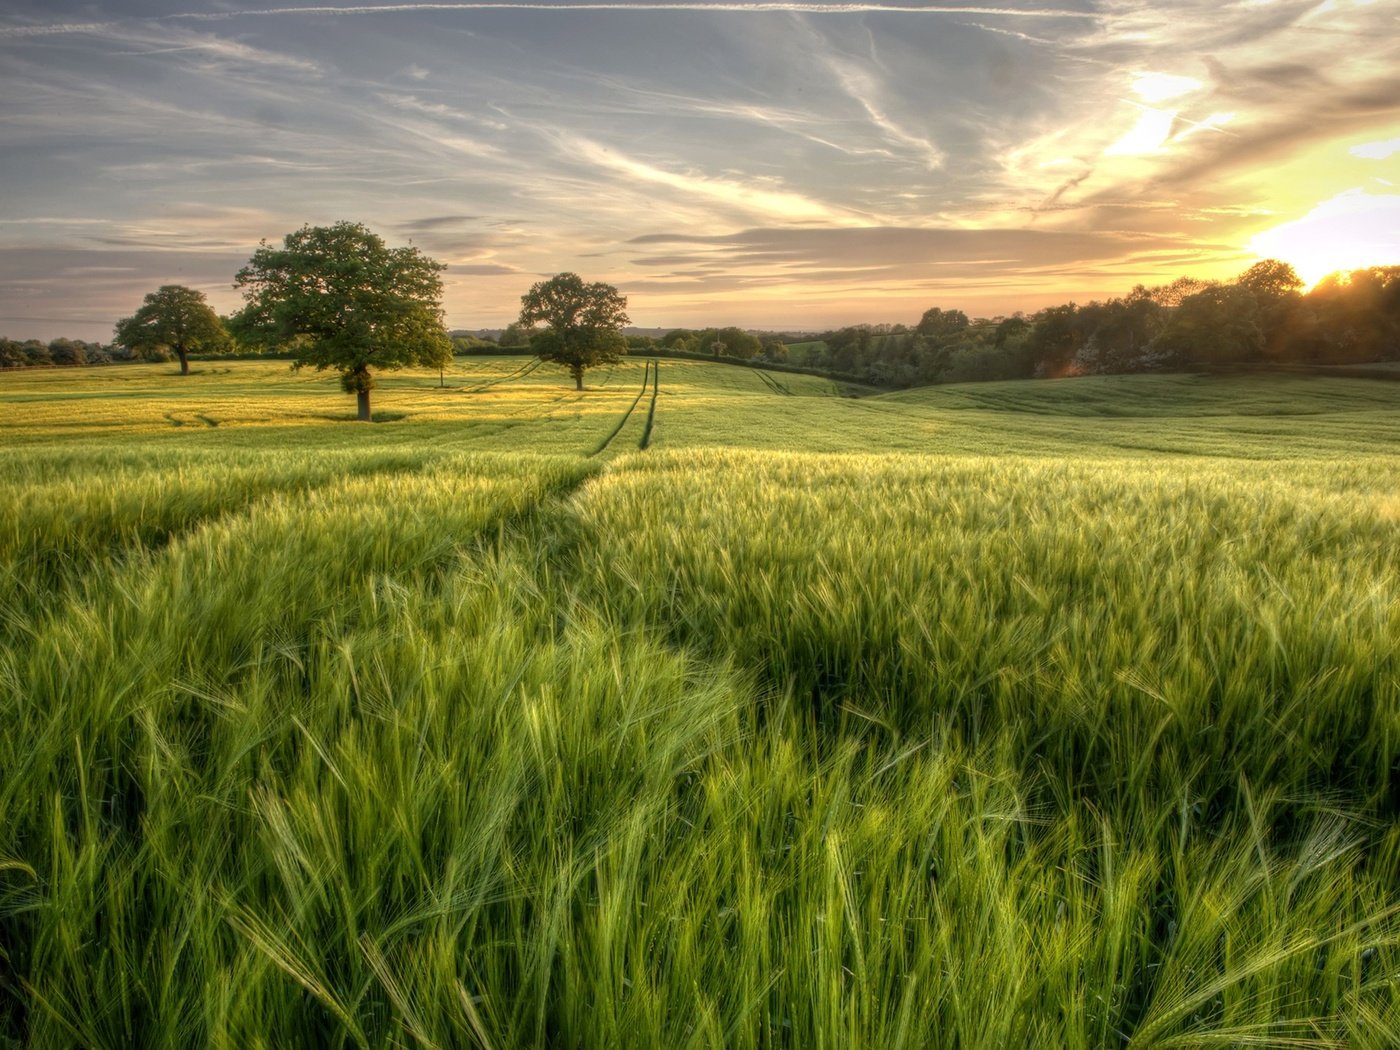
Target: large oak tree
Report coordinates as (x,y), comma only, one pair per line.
(176,317)
(584,322)
(339,298)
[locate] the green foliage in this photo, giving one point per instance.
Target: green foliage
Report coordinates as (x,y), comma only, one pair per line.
(681,339)
(515,334)
(941,325)
(717,342)
(339,298)
(730,342)
(62,352)
(1118,333)
(67,352)
(583,322)
(1259,319)
(177,319)
(808,352)
(470,344)
(1219,325)
(1271,279)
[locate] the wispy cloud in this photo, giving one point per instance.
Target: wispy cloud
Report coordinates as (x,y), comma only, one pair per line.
(221,48)
(744,197)
(757,7)
(861,85)
(717,6)
(22,32)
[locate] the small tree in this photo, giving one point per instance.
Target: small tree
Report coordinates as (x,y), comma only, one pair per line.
(176,317)
(339,298)
(584,322)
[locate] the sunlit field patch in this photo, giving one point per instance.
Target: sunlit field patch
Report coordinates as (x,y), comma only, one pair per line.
(1056,714)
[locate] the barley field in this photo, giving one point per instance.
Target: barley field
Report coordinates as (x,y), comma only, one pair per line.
(705,707)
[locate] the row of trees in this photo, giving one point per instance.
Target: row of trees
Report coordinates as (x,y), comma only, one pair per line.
(31,353)
(1260,318)
(337,297)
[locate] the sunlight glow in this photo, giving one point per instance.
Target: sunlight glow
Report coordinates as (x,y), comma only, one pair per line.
(1147,136)
(1352,230)
(1161,87)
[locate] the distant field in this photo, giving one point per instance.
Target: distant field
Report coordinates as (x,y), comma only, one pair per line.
(704,707)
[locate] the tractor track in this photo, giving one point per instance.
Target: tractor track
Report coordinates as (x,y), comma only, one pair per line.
(647,378)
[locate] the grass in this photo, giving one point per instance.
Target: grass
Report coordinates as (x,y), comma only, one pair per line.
(1057,714)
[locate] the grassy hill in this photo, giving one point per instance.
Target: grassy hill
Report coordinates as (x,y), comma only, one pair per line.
(704,707)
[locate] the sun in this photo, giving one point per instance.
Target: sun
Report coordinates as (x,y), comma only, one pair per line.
(1351,231)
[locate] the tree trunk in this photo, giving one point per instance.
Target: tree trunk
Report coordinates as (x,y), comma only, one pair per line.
(184,360)
(362,397)
(578,376)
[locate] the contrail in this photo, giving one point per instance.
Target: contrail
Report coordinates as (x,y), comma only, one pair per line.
(756,7)
(51,30)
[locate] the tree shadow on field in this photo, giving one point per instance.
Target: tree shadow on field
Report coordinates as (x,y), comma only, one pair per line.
(351,417)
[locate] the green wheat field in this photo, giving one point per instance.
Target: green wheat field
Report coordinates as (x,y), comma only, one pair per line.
(707,707)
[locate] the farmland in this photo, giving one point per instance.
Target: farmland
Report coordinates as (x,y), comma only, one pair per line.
(703,707)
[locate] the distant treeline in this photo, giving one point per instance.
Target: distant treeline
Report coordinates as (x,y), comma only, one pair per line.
(1259,319)
(33,353)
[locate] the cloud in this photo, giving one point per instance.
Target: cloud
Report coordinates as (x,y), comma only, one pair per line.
(437,222)
(148,37)
(229,51)
(900,253)
(1377,150)
(22,32)
(738,196)
(482,269)
(861,86)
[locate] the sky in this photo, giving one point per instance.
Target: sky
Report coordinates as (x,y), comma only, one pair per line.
(772,165)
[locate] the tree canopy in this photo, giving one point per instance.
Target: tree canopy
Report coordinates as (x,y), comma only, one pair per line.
(515,334)
(339,298)
(584,322)
(176,317)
